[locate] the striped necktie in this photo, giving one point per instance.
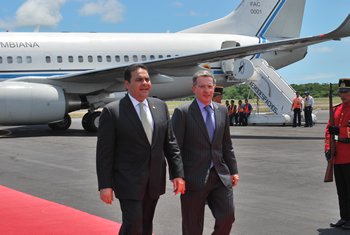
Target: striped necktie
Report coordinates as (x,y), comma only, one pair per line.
(146,123)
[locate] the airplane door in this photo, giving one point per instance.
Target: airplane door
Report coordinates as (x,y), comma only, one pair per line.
(227,65)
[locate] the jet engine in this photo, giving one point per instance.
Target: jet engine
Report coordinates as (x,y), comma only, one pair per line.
(24,103)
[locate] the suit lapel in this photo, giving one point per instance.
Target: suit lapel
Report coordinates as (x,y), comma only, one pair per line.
(218,120)
(198,117)
(130,112)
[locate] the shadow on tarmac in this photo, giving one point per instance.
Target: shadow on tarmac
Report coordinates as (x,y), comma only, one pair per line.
(39,130)
(332,231)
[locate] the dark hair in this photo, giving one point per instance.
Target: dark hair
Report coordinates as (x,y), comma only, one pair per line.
(246,99)
(239,101)
(132,68)
(232,101)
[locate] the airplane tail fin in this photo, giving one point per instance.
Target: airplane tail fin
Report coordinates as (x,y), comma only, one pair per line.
(263,18)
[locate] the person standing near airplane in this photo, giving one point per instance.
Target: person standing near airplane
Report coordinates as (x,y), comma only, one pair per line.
(341,160)
(309,105)
(218,94)
(134,135)
(202,131)
(296,107)
(247,109)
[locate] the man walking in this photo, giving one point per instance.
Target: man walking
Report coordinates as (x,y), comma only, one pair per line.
(134,135)
(202,130)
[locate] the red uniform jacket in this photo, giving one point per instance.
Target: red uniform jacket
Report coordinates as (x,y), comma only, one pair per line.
(341,118)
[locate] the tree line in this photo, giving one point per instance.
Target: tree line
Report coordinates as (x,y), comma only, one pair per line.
(316,90)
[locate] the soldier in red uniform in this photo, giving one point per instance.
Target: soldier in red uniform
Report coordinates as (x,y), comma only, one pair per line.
(341,130)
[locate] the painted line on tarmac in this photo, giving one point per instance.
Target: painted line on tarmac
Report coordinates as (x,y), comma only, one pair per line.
(8,133)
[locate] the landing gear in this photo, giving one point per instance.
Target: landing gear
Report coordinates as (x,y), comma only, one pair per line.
(90,121)
(62,125)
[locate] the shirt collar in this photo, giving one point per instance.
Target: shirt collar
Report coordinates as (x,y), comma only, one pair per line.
(135,102)
(201,105)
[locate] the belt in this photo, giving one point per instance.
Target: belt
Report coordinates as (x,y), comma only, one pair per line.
(347,141)
(307,105)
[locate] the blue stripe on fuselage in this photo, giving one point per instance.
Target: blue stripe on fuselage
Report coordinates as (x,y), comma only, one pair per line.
(267,25)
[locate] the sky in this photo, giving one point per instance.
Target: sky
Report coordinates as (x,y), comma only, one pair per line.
(325,62)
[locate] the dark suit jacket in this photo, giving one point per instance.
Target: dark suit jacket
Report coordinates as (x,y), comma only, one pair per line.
(196,149)
(125,159)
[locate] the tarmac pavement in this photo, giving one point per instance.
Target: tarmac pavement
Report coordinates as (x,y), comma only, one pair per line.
(281,169)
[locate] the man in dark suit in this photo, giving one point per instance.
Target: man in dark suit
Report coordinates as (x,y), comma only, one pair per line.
(202,131)
(134,135)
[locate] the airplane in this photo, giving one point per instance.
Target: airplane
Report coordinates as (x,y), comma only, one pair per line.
(45,76)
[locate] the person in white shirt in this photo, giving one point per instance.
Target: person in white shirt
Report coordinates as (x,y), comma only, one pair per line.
(308,107)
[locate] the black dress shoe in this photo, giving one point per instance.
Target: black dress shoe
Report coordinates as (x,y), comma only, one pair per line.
(346,226)
(339,224)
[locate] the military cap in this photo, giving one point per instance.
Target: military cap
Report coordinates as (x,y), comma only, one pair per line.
(218,90)
(344,85)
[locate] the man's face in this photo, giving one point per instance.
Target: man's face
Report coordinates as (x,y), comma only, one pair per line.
(298,94)
(140,84)
(204,89)
(246,101)
(227,102)
(232,103)
(345,96)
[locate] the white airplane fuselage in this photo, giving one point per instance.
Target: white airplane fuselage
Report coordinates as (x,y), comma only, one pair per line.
(50,54)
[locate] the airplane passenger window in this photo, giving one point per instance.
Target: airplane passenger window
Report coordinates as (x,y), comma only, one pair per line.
(160,56)
(99,58)
(143,57)
(0,59)
(134,58)
(9,59)
(19,59)
(90,58)
(117,58)
(152,57)
(168,56)
(48,59)
(59,59)
(126,58)
(70,59)
(108,58)
(80,59)
(29,59)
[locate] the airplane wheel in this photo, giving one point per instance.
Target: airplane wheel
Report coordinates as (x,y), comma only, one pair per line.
(90,121)
(62,125)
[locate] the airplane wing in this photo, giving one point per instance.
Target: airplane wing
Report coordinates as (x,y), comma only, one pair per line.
(114,74)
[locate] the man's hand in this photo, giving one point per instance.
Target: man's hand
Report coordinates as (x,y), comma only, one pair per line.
(179,185)
(106,195)
(333,130)
(234,180)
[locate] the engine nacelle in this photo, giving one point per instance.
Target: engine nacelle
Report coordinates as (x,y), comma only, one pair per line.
(24,103)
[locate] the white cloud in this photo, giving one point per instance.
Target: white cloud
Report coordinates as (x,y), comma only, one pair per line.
(321,49)
(319,76)
(193,13)
(35,12)
(111,11)
(177,4)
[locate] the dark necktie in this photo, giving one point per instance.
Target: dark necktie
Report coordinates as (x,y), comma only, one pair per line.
(209,123)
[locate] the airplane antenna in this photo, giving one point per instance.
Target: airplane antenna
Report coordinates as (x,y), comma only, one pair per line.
(37,29)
